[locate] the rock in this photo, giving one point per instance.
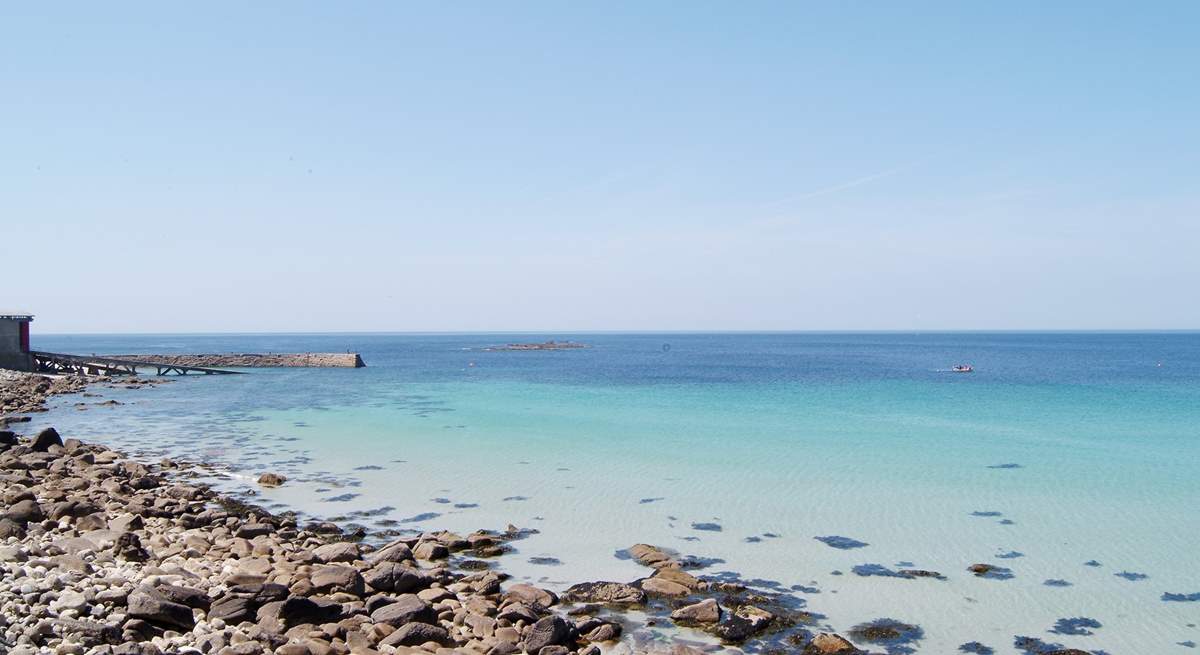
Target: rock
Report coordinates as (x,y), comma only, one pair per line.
(185,596)
(10,528)
(24,512)
(126,523)
(45,439)
(148,604)
(390,576)
(531,595)
(981,570)
(706,611)
(91,631)
(611,593)
(407,609)
(415,634)
(514,612)
(547,631)
(827,643)
(334,578)
(397,551)
(606,631)
(271,479)
(652,556)
(430,550)
(681,577)
(128,546)
(343,551)
(663,587)
(233,609)
(297,610)
(554,650)
(744,622)
(252,530)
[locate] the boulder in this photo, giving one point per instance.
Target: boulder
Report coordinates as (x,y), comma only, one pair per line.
(45,439)
(146,603)
(706,611)
(531,595)
(334,578)
(547,631)
(430,550)
(406,609)
(343,551)
(743,623)
(24,512)
(397,551)
(185,596)
(827,643)
(662,587)
(681,577)
(415,634)
(390,576)
(611,593)
(652,556)
(606,631)
(271,479)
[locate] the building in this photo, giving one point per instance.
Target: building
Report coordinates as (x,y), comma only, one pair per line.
(14,342)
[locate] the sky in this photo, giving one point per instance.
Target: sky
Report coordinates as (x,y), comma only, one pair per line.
(578,166)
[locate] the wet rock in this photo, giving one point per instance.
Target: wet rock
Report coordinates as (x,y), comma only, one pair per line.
(271,479)
(397,551)
(705,611)
(827,643)
(609,593)
(661,587)
(652,556)
(743,623)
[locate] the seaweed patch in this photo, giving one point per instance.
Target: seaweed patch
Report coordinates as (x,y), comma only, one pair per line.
(1075,626)
(842,543)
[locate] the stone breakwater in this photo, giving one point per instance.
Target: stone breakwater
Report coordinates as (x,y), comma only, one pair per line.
(103,555)
(255,360)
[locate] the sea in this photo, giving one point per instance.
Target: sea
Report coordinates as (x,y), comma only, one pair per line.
(820,465)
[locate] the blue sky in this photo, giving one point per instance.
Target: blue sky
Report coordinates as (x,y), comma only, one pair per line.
(600,166)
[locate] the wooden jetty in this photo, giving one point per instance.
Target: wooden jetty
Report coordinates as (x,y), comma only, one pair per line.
(93,365)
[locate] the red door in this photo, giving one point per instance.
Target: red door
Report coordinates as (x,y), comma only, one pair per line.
(24,336)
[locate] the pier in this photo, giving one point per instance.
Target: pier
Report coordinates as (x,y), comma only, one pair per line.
(61,363)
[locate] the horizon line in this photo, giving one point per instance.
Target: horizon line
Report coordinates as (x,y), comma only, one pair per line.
(648,332)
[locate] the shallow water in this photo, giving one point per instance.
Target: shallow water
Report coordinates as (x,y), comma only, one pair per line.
(1060,450)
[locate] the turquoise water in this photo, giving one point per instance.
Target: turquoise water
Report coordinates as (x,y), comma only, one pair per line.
(1061,449)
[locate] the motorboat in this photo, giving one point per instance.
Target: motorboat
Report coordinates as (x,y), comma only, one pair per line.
(963,368)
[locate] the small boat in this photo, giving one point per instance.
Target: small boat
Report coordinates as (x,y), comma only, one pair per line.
(963,368)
